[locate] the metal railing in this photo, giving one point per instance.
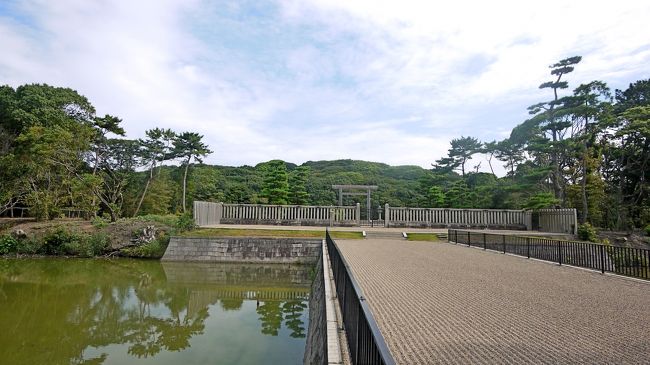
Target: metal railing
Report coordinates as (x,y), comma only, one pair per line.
(628,261)
(365,342)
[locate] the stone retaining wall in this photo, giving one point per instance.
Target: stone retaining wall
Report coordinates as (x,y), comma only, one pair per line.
(243,249)
(316,344)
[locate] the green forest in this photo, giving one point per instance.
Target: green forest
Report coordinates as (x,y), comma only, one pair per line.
(584,147)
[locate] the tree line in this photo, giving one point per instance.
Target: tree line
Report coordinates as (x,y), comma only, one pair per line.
(57,154)
(587,149)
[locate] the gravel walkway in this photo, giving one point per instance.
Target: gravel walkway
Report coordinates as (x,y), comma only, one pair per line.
(438,303)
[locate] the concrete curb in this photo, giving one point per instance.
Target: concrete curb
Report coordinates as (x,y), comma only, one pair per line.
(334,335)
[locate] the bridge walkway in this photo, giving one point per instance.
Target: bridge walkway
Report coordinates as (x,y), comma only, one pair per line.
(438,303)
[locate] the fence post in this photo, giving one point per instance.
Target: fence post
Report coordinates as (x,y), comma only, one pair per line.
(528,246)
(386,215)
(504,243)
(469,238)
(559,253)
(484,242)
(359,214)
(356,352)
(602,259)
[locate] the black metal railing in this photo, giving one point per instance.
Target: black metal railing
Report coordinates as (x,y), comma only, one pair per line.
(634,262)
(365,342)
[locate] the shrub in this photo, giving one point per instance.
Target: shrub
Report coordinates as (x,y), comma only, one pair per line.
(59,242)
(154,249)
(99,243)
(86,245)
(99,222)
(587,232)
(185,222)
(647,230)
(168,220)
(29,246)
(8,244)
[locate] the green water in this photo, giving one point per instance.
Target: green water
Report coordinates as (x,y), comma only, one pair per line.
(122,311)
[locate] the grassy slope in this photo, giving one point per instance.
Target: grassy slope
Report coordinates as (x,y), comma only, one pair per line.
(432,237)
(235,232)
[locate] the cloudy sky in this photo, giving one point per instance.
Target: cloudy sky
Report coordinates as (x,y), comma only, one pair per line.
(387,81)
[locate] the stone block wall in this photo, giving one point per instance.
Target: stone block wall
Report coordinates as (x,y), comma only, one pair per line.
(243,249)
(316,344)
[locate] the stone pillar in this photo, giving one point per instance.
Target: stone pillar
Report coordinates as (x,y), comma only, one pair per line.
(358,214)
(386,215)
(368,208)
(528,218)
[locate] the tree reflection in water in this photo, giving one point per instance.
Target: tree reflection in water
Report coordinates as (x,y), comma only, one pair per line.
(65,308)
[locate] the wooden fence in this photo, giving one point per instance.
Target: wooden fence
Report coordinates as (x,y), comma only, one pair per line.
(557,220)
(206,213)
(448,217)
(545,220)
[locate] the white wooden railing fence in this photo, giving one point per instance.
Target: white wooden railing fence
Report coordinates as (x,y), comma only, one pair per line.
(445,217)
(550,220)
(206,213)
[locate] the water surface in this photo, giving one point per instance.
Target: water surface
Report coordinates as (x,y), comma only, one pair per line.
(123,311)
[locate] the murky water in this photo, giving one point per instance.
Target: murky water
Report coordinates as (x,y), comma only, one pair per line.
(75,311)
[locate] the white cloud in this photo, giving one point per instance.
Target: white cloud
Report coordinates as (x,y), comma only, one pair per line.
(379,80)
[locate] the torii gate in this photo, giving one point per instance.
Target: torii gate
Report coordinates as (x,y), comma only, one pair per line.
(367,188)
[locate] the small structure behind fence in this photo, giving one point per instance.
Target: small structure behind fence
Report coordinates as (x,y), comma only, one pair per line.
(627,261)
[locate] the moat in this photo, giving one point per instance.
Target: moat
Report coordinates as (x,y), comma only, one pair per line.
(124,311)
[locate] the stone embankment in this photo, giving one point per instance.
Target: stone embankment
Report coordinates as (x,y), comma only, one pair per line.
(243,249)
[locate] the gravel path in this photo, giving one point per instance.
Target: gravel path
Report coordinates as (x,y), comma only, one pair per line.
(438,303)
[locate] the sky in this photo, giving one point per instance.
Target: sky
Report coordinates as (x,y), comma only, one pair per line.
(385,81)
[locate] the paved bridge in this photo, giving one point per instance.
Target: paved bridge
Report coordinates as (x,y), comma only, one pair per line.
(438,303)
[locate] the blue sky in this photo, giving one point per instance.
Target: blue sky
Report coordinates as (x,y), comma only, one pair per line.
(387,81)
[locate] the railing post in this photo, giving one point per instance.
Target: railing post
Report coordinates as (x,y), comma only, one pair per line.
(484,242)
(528,247)
(559,253)
(469,238)
(602,259)
(504,243)
(356,345)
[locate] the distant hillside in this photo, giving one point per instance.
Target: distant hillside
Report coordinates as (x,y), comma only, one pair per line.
(398,185)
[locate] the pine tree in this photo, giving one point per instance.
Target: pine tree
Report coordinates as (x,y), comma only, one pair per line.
(297,186)
(188,146)
(276,185)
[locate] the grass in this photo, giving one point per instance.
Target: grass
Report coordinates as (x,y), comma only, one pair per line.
(287,233)
(431,237)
